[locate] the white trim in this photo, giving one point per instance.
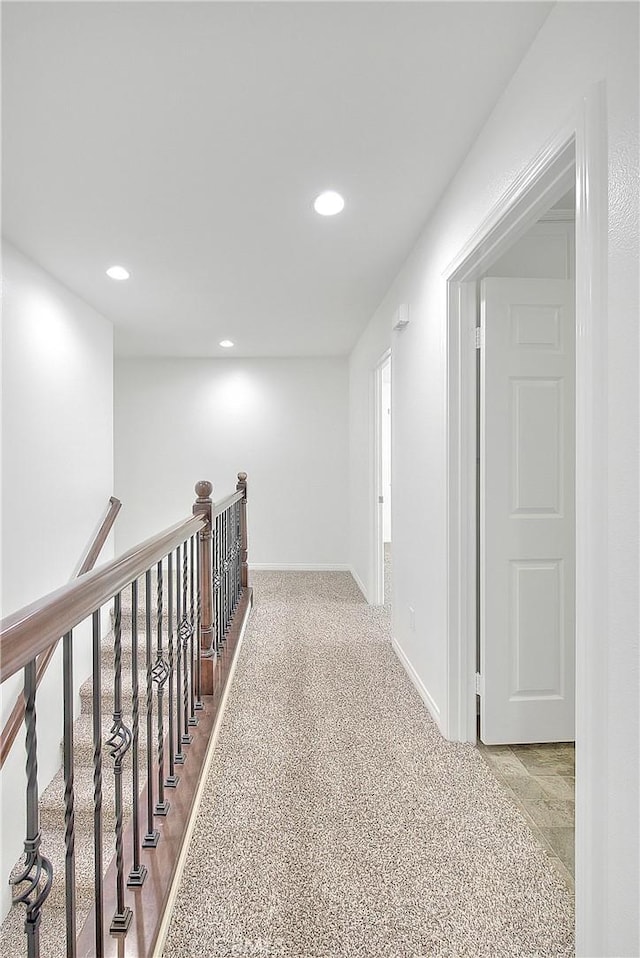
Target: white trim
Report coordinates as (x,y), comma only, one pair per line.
(358,581)
(202,784)
(299,567)
(582,143)
(592,719)
(417,682)
(376,484)
(544,182)
(558,216)
(461,464)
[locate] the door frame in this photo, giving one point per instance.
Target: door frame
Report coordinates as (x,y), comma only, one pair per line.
(377,484)
(577,153)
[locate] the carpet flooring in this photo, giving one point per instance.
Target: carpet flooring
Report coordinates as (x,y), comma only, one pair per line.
(336,821)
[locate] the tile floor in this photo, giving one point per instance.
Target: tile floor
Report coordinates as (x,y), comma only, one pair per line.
(540,780)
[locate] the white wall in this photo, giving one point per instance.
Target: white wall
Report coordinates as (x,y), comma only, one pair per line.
(57,476)
(579,45)
(282,421)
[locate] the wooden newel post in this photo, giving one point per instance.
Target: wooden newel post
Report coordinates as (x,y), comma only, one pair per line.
(244,567)
(204,506)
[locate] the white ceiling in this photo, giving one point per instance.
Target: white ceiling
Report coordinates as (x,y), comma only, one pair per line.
(187,141)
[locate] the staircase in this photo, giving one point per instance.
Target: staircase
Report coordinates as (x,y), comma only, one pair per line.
(53,927)
(114,819)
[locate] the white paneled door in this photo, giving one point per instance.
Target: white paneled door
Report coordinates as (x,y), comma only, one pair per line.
(527,512)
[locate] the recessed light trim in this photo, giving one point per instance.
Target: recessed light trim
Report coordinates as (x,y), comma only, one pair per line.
(226,343)
(328,203)
(118,272)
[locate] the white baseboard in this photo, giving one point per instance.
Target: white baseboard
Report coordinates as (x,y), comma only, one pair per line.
(358,581)
(417,682)
(298,567)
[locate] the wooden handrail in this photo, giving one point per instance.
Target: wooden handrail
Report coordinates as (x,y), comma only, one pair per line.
(224,504)
(87,562)
(94,548)
(31,630)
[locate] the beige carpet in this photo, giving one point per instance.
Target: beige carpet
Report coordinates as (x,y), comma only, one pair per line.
(336,820)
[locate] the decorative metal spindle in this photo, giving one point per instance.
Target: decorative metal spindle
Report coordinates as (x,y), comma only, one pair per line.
(192,700)
(232,534)
(223,575)
(160,676)
(230,565)
(234,556)
(179,756)
(97,784)
(237,553)
(234,576)
(150,840)
(223,612)
(36,865)
(216,587)
(198,705)
(227,577)
(172,779)
(69,794)
(119,743)
(138,871)
(185,632)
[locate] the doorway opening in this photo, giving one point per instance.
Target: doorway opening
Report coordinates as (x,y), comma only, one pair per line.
(525,526)
(382,501)
(575,156)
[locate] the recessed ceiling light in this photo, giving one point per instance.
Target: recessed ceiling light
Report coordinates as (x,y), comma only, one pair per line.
(226,343)
(118,272)
(328,203)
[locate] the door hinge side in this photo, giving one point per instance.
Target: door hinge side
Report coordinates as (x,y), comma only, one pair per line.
(479,690)
(479,337)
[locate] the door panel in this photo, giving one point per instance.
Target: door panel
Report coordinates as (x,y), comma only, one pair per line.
(527,525)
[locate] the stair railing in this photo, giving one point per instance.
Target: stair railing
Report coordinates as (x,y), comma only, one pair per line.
(86,564)
(184,595)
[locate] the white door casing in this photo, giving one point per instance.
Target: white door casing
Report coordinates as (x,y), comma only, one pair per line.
(527,511)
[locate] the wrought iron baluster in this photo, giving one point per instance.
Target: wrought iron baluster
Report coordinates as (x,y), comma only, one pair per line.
(198,704)
(150,840)
(36,865)
(180,756)
(230,564)
(185,632)
(225,566)
(97,785)
(234,576)
(223,575)
(216,587)
(236,547)
(160,676)
(192,700)
(119,743)
(138,871)
(172,779)
(69,794)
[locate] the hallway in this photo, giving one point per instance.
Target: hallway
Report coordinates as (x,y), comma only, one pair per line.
(336,820)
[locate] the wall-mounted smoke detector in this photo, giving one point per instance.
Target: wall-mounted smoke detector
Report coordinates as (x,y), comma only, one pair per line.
(401,317)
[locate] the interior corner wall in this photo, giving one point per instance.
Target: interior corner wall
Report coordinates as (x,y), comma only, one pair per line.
(282,421)
(57,476)
(579,45)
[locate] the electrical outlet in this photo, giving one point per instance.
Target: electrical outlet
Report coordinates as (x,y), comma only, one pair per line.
(412,619)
